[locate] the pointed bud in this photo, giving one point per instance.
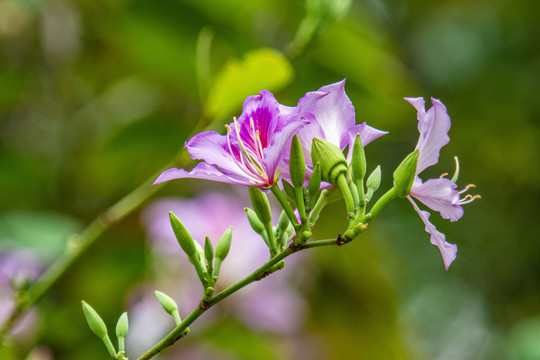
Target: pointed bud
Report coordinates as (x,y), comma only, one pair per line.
(330,158)
(169,305)
(297,164)
(405,174)
(283,223)
(254,221)
(222,250)
(374,179)
(261,206)
(122,327)
(183,237)
(289,189)
(224,244)
(95,322)
(358,159)
(314,185)
(208,252)
(97,325)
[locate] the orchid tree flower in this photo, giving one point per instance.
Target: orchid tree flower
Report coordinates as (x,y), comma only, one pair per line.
(250,152)
(440,194)
(331,117)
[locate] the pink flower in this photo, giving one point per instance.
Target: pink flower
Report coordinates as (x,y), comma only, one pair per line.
(439,194)
(250,152)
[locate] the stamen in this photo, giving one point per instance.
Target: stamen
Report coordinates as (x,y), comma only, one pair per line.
(468,199)
(467,188)
(456,173)
(443,175)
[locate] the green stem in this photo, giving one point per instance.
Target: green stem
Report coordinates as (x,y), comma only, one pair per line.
(319,205)
(285,205)
(299,192)
(382,202)
(258,274)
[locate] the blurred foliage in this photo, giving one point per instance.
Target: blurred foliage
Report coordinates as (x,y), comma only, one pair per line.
(97,96)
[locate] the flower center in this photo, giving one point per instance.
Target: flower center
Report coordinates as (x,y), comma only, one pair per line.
(248,158)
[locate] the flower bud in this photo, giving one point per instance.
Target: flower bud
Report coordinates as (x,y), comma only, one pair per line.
(183,237)
(254,221)
(314,185)
(95,322)
(297,164)
(374,179)
(261,206)
(224,244)
(169,305)
(222,250)
(208,252)
(330,158)
(289,189)
(358,162)
(283,223)
(122,327)
(404,174)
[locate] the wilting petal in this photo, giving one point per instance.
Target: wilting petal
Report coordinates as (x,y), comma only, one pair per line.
(448,251)
(439,195)
(433,126)
(201,171)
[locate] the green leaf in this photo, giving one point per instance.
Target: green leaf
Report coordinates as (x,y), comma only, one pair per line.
(45,232)
(259,69)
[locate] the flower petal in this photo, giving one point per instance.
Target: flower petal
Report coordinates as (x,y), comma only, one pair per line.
(448,251)
(332,109)
(274,153)
(212,148)
(203,171)
(439,195)
(433,126)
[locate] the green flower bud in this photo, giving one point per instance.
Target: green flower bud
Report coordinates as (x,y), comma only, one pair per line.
(289,189)
(404,174)
(224,244)
(261,206)
(168,304)
(374,179)
(97,325)
(183,237)
(222,250)
(330,158)
(283,223)
(208,252)
(95,322)
(358,159)
(122,327)
(314,185)
(297,164)
(254,221)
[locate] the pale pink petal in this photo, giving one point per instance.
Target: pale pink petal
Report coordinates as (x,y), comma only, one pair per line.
(439,195)
(433,126)
(448,251)
(202,171)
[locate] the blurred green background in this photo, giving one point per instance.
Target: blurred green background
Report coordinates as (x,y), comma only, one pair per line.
(95,97)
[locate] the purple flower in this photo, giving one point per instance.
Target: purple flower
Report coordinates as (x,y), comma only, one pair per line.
(331,115)
(439,194)
(250,152)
